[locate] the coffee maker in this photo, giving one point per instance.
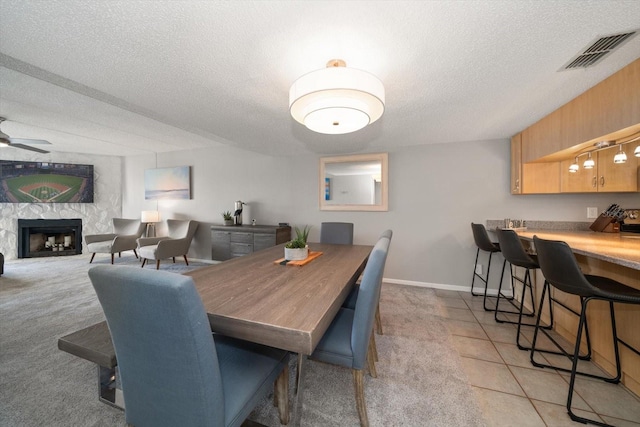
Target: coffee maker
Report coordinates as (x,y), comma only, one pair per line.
(238,212)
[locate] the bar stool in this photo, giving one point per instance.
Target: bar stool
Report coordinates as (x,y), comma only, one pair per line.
(561,270)
(485,244)
(515,254)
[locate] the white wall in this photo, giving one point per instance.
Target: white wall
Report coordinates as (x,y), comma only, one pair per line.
(435,192)
(96,217)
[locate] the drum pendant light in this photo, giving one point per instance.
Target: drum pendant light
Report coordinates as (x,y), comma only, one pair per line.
(336,100)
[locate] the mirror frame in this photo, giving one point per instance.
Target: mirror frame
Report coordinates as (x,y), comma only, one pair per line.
(384,161)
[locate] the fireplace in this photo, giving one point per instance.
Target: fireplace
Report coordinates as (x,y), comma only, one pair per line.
(49,237)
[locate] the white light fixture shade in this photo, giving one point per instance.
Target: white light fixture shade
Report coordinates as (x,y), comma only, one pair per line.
(336,100)
(620,156)
(589,163)
(574,166)
(637,151)
(150,216)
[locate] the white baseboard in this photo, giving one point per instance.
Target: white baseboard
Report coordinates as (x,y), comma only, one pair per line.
(457,288)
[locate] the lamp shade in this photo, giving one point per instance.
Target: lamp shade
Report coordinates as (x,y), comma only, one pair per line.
(589,163)
(574,167)
(620,156)
(150,216)
(336,99)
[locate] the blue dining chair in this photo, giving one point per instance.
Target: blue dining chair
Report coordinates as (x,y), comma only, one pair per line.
(337,233)
(173,372)
(347,341)
(350,302)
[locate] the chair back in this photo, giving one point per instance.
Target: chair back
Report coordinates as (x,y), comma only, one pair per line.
(482,240)
(337,233)
(128,227)
(513,251)
(560,267)
(387,233)
(367,302)
(182,228)
(164,346)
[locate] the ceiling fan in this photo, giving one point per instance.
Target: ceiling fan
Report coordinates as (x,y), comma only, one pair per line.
(7,141)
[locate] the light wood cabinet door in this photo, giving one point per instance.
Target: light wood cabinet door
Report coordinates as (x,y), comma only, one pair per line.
(538,178)
(541,178)
(582,181)
(605,177)
(620,177)
(516,164)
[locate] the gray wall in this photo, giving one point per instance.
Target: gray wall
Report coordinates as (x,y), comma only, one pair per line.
(435,192)
(96,217)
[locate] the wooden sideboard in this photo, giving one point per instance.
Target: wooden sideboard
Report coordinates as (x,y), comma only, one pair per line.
(237,240)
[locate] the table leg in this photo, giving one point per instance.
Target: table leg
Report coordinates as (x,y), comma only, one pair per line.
(299,390)
(107,391)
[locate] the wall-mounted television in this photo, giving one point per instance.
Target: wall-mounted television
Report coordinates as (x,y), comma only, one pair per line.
(45,182)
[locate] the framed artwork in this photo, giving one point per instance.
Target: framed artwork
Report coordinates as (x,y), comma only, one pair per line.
(167,183)
(327,188)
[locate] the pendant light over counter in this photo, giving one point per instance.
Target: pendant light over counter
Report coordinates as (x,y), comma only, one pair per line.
(619,158)
(337,100)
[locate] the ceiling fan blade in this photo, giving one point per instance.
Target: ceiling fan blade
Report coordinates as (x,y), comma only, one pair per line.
(28,141)
(26,147)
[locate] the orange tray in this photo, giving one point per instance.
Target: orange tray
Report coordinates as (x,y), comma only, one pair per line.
(311,257)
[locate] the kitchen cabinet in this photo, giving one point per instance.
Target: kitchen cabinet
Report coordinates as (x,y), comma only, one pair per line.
(605,177)
(516,164)
(234,241)
(609,110)
(532,178)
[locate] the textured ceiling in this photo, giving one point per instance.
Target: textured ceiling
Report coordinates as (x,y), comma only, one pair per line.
(129,77)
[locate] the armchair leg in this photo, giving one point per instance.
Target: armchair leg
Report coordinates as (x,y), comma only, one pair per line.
(135,253)
(144,261)
(93,255)
(112,258)
(358,382)
(281,393)
(174,260)
(119,254)
(185,259)
(157,264)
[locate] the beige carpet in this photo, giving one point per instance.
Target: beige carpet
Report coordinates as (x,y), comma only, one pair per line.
(420,382)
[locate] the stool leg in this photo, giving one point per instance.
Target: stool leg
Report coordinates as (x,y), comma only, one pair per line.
(486,281)
(526,284)
(545,288)
(616,350)
(473,278)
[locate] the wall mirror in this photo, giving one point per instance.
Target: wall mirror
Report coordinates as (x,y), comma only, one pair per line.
(354,183)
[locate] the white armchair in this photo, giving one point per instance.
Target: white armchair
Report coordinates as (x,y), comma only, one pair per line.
(123,238)
(175,244)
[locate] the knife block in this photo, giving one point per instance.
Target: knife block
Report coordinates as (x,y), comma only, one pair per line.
(605,224)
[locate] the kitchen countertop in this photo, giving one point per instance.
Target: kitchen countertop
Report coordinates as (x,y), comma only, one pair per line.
(617,248)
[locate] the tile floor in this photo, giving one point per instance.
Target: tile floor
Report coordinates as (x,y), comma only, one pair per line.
(510,390)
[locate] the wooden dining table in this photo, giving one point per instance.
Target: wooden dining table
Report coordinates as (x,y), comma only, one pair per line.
(283,306)
(257,299)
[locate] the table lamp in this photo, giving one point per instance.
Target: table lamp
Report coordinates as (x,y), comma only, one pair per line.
(150,218)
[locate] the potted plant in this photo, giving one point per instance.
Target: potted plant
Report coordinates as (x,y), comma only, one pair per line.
(228,218)
(297,249)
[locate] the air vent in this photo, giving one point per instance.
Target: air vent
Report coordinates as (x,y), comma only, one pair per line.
(597,50)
